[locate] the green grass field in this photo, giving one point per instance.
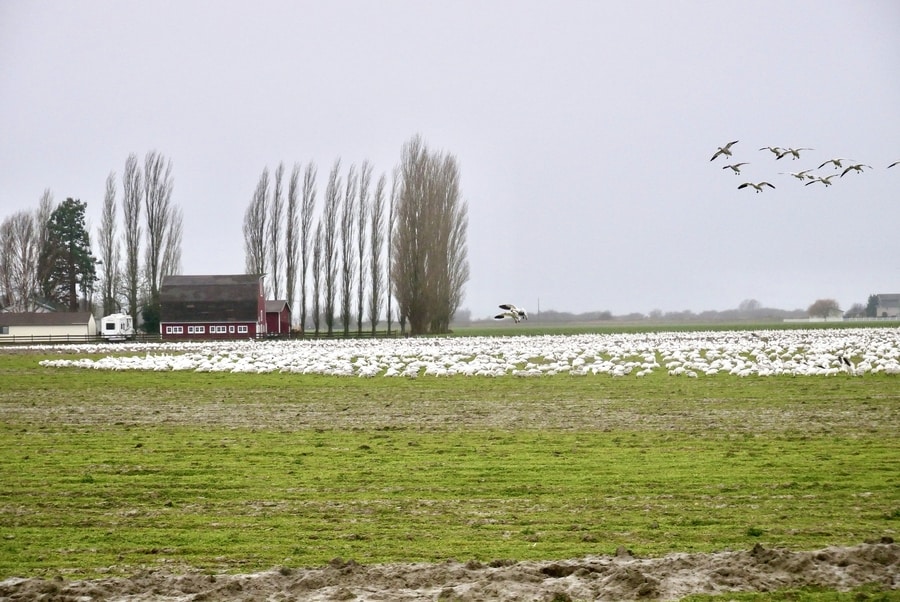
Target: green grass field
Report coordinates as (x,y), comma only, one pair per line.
(106,472)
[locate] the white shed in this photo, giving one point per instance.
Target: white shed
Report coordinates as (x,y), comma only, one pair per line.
(47,326)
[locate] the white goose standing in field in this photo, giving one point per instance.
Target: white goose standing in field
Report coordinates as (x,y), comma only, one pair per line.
(735,167)
(758,186)
(857,167)
(724,150)
(511,311)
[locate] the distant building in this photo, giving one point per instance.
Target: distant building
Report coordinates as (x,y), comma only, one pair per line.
(61,325)
(888,306)
(278,318)
(212,307)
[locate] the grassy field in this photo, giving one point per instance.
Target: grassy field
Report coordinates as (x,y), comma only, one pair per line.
(106,473)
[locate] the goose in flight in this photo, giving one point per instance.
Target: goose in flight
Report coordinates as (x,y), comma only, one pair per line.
(838,163)
(800,175)
(825,180)
(858,167)
(775,150)
(511,311)
(758,187)
(724,150)
(735,167)
(794,152)
(894,163)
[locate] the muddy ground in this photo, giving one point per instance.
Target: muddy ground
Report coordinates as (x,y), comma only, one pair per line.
(619,577)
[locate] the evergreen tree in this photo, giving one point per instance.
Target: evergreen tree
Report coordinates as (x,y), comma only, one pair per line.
(68,266)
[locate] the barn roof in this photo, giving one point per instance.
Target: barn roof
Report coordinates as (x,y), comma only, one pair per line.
(209,287)
(219,298)
(274,306)
(55,318)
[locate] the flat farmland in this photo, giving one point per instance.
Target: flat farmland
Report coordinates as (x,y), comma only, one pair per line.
(109,472)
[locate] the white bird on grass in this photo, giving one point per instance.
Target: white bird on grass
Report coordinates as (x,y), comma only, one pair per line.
(795,152)
(724,150)
(824,180)
(511,311)
(735,167)
(858,167)
(758,186)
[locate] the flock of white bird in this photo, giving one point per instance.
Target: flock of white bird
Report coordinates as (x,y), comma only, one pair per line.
(825,352)
(807,176)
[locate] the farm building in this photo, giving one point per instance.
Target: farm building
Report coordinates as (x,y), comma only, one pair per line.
(888,306)
(46,326)
(278,318)
(212,307)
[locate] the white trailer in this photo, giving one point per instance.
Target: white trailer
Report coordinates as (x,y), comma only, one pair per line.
(117,327)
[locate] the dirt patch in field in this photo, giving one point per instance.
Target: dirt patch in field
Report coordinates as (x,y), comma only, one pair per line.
(619,577)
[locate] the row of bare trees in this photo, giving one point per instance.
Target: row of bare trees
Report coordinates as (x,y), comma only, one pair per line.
(370,245)
(131,264)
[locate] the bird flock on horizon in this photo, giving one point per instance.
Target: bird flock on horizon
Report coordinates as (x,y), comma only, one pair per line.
(842,165)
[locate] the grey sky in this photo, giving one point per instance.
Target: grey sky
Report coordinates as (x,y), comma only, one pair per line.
(583,131)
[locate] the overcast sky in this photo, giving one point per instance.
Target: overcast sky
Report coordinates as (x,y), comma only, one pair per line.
(583,131)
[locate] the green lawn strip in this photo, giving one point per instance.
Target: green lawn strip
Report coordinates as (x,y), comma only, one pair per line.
(234,499)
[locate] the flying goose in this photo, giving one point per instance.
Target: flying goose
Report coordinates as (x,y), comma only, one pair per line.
(795,152)
(776,150)
(858,167)
(724,150)
(836,162)
(511,311)
(758,187)
(894,163)
(735,167)
(800,175)
(825,180)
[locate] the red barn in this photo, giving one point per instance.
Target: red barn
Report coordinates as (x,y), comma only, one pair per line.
(278,318)
(212,307)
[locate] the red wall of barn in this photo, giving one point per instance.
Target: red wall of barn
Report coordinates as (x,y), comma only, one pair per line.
(278,323)
(206,334)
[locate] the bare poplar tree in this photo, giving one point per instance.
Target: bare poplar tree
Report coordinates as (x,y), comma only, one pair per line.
(376,242)
(348,258)
(255,227)
(362,216)
(276,216)
(42,225)
(429,264)
(292,237)
(7,253)
(19,261)
(131,210)
(159,213)
(317,278)
(330,242)
(306,217)
(392,218)
(171,261)
(107,239)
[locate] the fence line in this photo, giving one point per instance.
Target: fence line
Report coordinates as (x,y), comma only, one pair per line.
(52,339)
